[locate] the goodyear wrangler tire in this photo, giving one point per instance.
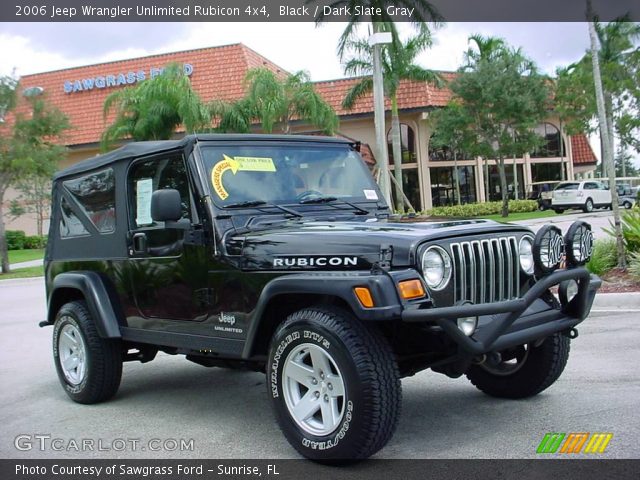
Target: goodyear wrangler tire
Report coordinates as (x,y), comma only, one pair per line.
(524,371)
(89,367)
(334,384)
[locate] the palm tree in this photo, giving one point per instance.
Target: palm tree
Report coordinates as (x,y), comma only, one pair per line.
(397,65)
(276,102)
(155,108)
(423,14)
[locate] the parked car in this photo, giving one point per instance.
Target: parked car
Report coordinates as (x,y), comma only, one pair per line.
(585,195)
(276,254)
(541,192)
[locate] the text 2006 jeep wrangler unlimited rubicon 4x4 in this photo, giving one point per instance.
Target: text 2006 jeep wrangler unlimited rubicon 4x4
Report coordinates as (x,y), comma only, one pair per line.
(275,253)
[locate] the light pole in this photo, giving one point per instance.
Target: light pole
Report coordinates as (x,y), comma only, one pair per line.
(382,156)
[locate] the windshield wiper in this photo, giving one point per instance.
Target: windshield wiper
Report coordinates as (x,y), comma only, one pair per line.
(262,203)
(329,199)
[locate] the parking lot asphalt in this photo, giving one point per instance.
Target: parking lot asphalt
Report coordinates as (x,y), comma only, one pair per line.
(227,415)
(598,219)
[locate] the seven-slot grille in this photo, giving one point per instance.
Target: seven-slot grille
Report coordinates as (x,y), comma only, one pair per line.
(486,271)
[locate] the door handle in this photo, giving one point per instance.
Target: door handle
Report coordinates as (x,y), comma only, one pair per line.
(139,243)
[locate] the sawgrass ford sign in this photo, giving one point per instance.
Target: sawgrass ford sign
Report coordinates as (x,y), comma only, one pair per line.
(117,79)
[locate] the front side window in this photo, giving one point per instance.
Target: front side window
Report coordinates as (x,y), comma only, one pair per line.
(285,174)
(146,177)
(95,194)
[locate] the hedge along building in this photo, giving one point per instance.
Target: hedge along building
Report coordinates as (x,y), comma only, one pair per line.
(218,73)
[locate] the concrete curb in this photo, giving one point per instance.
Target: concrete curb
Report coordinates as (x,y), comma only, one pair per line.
(617,301)
(12,282)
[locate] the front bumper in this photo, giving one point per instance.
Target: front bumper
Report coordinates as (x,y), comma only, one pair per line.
(515,322)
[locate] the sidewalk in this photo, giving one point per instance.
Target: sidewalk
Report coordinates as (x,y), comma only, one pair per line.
(31,263)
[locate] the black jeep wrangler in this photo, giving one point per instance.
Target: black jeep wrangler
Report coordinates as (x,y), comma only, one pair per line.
(277,254)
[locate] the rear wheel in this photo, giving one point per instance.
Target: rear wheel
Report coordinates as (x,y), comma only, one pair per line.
(334,384)
(558,210)
(627,205)
(89,367)
(522,371)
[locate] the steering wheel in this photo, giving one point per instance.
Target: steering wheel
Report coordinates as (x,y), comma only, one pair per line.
(308,193)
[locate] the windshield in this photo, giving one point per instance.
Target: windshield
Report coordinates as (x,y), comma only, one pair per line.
(281,174)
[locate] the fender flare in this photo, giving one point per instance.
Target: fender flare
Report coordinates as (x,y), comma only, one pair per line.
(335,285)
(95,292)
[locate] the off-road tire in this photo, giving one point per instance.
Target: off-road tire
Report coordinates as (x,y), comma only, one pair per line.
(373,393)
(103,356)
(542,368)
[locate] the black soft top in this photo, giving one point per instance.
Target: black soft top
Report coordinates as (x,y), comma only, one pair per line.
(140,149)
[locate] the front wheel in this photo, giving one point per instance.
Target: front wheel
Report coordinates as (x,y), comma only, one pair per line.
(588,206)
(522,371)
(89,367)
(334,384)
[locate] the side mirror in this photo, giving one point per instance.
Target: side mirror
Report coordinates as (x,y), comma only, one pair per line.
(166,205)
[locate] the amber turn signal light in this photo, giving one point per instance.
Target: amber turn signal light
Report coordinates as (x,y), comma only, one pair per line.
(410,289)
(364,295)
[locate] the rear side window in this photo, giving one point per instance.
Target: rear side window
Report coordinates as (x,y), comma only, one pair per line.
(568,186)
(70,224)
(95,195)
(150,175)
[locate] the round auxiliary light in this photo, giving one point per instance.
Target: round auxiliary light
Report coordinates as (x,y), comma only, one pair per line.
(525,249)
(436,267)
(579,243)
(548,249)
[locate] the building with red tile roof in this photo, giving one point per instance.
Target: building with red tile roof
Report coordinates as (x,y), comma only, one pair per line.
(218,73)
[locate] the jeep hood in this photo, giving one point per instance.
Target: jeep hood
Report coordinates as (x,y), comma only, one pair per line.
(346,245)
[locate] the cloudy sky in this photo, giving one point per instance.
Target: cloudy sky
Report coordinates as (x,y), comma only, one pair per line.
(33,48)
(39,47)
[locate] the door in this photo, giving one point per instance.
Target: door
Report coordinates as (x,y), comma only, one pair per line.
(168,275)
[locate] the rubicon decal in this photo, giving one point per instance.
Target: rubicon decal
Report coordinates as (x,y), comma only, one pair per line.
(575,442)
(315,261)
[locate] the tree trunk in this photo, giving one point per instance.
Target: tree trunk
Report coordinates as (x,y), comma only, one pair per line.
(456,179)
(503,187)
(605,137)
(487,193)
(4,253)
(396,147)
(563,173)
(515,178)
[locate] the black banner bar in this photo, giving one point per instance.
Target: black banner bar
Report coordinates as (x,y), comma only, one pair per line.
(301,469)
(308,10)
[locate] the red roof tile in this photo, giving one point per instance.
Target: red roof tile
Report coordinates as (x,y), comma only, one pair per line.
(218,73)
(410,95)
(582,152)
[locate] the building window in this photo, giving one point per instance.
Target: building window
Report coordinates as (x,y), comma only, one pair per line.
(443,185)
(407,143)
(494,182)
(545,172)
(410,187)
(96,195)
(550,146)
(443,153)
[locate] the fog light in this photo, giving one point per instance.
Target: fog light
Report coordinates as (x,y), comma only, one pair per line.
(467,325)
(567,291)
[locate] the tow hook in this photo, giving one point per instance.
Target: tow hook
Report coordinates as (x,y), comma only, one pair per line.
(571,333)
(480,359)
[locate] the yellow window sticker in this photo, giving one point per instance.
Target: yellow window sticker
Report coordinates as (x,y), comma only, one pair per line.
(249,164)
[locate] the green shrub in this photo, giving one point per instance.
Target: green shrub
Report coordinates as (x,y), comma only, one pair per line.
(634,265)
(35,241)
(630,230)
(15,239)
(483,209)
(604,256)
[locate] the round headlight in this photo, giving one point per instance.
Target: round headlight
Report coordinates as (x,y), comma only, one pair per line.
(548,249)
(436,267)
(579,243)
(525,249)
